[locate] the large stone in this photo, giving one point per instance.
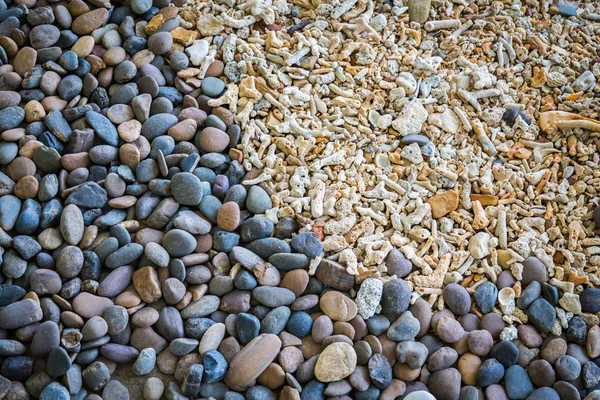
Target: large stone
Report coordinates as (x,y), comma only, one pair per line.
(259,353)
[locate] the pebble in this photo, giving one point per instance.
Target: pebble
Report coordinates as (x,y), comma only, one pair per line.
(450,330)
(414,354)
(406,327)
(568,368)
(517,383)
(541,315)
(445,384)
(259,353)
(337,361)
(529,295)
(490,373)
(534,270)
(541,373)
(457,298)
(153,389)
(54,391)
(590,300)
(395,298)
(485,297)
(307,243)
(337,306)
(19,314)
(505,352)
(480,342)
(369,297)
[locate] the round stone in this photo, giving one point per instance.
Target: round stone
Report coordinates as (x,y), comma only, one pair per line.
(457,298)
(179,243)
(186,188)
(212,86)
(228,216)
(534,270)
(337,361)
(213,140)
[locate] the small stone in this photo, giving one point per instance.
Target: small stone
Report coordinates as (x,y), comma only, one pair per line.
(260,352)
(145,362)
(368,297)
(397,264)
(568,368)
(590,300)
(308,244)
(517,383)
(228,216)
(58,363)
(506,353)
(490,373)
(94,328)
(406,327)
(179,243)
(96,375)
(186,188)
(395,299)
(147,285)
(115,390)
(534,270)
(337,361)
(529,295)
(445,384)
(457,298)
(450,330)
(443,203)
(414,354)
(541,373)
(542,315)
(212,87)
(337,306)
(55,391)
(380,371)
(480,342)
(485,296)
(19,314)
(258,200)
(153,389)
(591,375)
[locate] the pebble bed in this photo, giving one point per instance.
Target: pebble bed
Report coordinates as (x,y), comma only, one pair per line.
(139,229)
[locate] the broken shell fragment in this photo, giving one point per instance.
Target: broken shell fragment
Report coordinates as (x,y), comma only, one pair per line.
(563,119)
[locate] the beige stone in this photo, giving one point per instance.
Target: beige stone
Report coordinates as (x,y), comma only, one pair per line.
(336,362)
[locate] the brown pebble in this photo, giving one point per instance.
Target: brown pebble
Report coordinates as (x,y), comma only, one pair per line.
(147,285)
(27,187)
(259,353)
(228,216)
(184,130)
(213,140)
(468,366)
(273,377)
(25,60)
(337,306)
(86,23)
(215,69)
(554,349)
(405,373)
(296,281)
